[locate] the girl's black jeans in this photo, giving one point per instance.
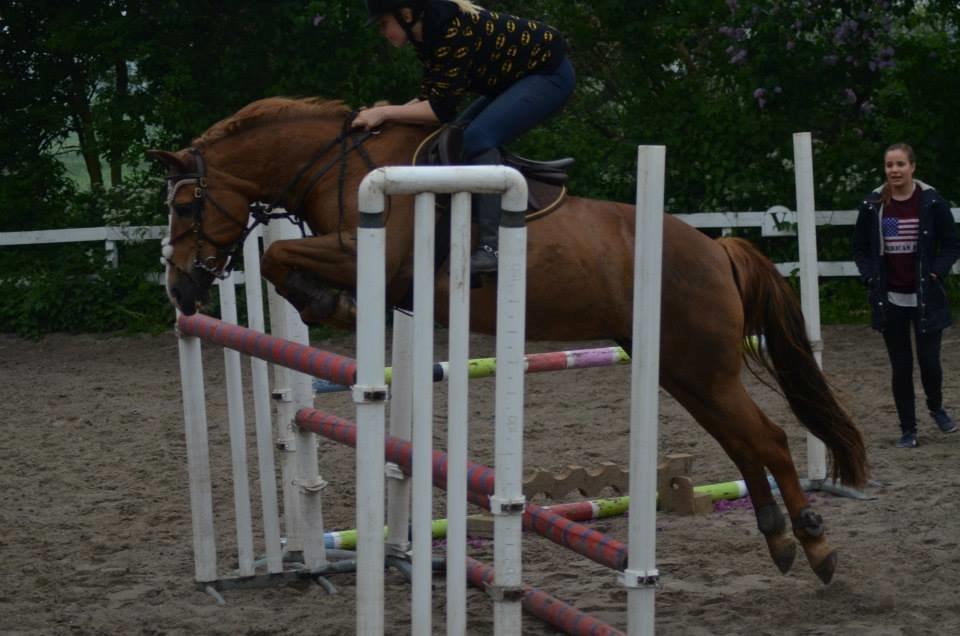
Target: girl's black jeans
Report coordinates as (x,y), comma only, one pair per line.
(900,321)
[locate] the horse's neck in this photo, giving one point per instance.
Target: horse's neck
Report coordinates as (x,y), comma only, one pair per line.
(273,160)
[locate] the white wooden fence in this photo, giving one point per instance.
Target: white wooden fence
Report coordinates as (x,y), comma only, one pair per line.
(777,221)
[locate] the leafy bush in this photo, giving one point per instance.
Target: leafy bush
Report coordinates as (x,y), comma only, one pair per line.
(72,289)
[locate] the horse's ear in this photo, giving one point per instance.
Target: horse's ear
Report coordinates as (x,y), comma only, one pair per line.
(169,159)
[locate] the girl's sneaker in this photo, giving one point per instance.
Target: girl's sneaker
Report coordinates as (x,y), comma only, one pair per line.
(944,421)
(908,440)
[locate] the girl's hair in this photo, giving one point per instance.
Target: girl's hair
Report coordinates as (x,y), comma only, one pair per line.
(467,7)
(885,193)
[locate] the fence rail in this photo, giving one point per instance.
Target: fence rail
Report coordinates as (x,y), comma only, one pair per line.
(776,221)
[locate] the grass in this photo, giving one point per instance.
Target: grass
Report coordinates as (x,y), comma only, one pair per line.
(69,155)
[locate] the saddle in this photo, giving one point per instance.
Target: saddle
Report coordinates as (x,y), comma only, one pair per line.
(546,180)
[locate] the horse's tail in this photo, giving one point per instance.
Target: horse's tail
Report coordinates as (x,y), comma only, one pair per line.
(771,310)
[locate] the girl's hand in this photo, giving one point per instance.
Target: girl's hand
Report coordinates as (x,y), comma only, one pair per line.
(370,118)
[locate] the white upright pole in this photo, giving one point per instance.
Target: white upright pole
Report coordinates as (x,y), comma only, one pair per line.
(809,279)
(457,414)
(369,394)
(285,437)
(401,421)
(508,501)
(423,317)
(198,459)
(261,407)
(293,392)
(238,435)
(641,576)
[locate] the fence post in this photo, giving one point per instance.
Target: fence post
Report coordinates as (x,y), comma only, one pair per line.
(809,278)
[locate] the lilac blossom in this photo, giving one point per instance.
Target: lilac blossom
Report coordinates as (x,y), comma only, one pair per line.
(760,95)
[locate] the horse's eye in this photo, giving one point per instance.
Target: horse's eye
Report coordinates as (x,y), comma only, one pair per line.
(183,210)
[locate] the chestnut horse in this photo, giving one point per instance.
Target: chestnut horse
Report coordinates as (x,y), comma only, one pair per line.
(300,154)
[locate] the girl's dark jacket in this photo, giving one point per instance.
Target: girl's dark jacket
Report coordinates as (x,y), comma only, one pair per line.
(937,250)
(483,54)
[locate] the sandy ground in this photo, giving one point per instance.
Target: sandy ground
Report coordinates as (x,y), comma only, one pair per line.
(95,533)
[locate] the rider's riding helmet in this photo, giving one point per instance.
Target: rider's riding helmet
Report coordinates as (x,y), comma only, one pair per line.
(377,8)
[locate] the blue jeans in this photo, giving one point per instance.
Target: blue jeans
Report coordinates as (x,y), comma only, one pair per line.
(528,102)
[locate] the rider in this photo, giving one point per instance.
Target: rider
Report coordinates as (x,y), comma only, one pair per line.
(518,66)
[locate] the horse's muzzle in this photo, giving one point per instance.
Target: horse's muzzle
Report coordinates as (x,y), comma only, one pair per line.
(190,291)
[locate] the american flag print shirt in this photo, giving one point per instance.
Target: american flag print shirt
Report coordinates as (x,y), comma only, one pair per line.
(900,228)
(900,235)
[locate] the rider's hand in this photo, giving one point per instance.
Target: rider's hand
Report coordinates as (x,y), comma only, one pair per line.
(370,118)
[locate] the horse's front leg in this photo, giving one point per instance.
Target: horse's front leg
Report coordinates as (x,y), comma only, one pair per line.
(315,275)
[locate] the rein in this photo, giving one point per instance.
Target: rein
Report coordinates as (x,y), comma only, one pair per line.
(348,140)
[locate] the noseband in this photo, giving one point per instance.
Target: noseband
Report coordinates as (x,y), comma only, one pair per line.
(261,214)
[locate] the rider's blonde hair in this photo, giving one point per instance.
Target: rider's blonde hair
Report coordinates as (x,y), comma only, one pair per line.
(467,7)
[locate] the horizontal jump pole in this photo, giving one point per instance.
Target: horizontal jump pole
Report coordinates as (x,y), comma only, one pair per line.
(587,510)
(315,362)
(552,611)
(533,363)
(574,511)
(594,545)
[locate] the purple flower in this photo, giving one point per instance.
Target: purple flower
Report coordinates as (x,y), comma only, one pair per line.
(844,29)
(760,95)
(732,5)
(790,45)
(317,19)
(740,57)
(850,96)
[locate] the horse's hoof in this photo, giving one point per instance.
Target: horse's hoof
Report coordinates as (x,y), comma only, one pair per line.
(827,567)
(785,556)
(783,550)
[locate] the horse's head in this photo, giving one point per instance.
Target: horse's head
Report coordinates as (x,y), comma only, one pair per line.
(208,223)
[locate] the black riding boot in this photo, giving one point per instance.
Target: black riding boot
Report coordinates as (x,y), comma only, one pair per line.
(486,213)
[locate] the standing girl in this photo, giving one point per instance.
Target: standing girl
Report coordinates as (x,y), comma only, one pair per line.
(518,66)
(904,245)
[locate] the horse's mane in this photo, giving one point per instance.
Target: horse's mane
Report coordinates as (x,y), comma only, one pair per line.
(271,110)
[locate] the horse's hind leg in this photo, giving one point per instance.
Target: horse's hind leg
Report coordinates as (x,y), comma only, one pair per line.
(754,443)
(808,526)
(770,520)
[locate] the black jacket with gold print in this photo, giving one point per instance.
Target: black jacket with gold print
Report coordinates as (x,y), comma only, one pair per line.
(481,54)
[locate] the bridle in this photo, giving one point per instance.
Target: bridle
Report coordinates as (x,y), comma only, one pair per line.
(262,214)
(198,181)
